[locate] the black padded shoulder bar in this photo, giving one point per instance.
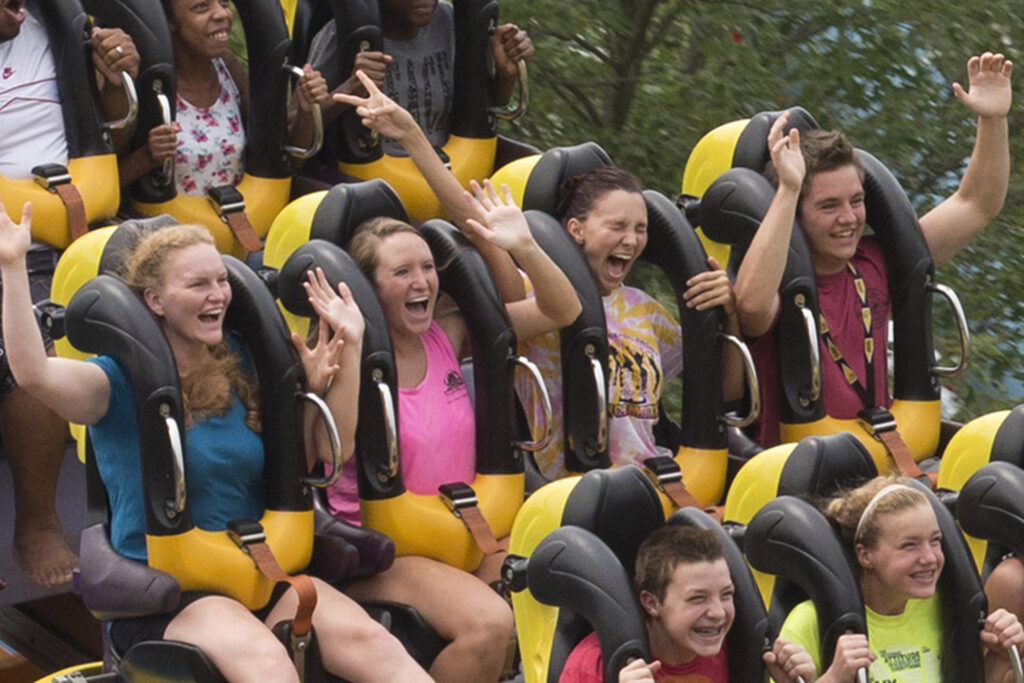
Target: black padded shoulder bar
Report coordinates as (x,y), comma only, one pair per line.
(751,149)
(573,569)
(990,506)
(475,21)
(791,539)
(554,167)
(254,314)
(67,26)
(106,317)
(464,276)
(585,338)
(823,465)
(674,247)
(378,476)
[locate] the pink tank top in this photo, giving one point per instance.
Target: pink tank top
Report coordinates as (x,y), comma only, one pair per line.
(436,431)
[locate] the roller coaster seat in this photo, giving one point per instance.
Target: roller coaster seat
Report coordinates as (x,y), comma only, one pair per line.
(100,319)
(989,508)
(816,467)
(995,437)
(570,591)
(701,451)
(91,166)
(730,211)
(790,538)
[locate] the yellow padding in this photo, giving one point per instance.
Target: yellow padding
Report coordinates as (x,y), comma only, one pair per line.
(289,231)
(756,484)
(710,158)
(423,525)
(210,561)
(471,159)
(535,622)
(703,473)
(918,423)
(77,265)
(96,180)
(264,198)
(516,174)
(90,669)
(967,452)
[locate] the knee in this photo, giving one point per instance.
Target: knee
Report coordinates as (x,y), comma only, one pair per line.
(376,642)
(490,624)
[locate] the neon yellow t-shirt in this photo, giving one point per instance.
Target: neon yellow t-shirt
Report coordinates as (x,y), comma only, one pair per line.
(907,646)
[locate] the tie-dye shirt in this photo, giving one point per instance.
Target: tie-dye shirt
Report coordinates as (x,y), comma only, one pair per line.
(212,140)
(646,349)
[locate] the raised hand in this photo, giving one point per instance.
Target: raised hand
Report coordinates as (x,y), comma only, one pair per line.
(378,111)
(311,88)
(786,155)
(322,362)
(500,221)
(337,309)
(15,238)
(988,81)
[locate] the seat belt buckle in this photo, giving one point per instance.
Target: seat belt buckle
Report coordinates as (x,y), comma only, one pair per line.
(50,176)
(876,421)
(245,532)
(226,199)
(662,470)
(457,495)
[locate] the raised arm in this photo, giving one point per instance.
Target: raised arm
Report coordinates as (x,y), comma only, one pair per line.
(385,116)
(950,225)
(759,276)
(332,366)
(503,226)
(77,391)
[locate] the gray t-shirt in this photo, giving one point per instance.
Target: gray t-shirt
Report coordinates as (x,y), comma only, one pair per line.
(420,76)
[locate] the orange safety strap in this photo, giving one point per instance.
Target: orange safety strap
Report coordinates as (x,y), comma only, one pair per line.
(903,458)
(461,500)
(242,230)
(72,200)
(666,476)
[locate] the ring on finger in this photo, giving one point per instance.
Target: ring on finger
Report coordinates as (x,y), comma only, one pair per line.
(119,50)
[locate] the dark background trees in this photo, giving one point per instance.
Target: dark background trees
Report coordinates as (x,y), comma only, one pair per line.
(648,78)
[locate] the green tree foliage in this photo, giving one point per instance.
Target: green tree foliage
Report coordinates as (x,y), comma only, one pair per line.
(648,78)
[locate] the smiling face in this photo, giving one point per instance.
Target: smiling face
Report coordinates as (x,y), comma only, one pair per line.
(696,613)
(12,14)
(201,26)
(905,560)
(406,283)
(193,298)
(832,216)
(612,234)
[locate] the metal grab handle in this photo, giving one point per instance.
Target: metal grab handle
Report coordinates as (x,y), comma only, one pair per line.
(176,506)
(811,327)
(545,401)
(750,375)
(862,675)
(166,175)
(332,435)
(1015,665)
(128,84)
(508,112)
(318,124)
(602,402)
(961,328)
(387,404)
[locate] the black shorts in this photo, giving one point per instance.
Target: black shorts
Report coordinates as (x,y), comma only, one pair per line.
(124,633)
(41,262)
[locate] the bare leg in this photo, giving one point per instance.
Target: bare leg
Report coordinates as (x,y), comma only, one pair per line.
(238,644)
(463,609)
(34,440)
(352,645)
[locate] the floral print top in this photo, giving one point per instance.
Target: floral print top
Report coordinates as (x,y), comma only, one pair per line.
(211,141)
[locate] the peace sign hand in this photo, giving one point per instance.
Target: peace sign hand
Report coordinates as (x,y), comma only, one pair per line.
(378,111)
